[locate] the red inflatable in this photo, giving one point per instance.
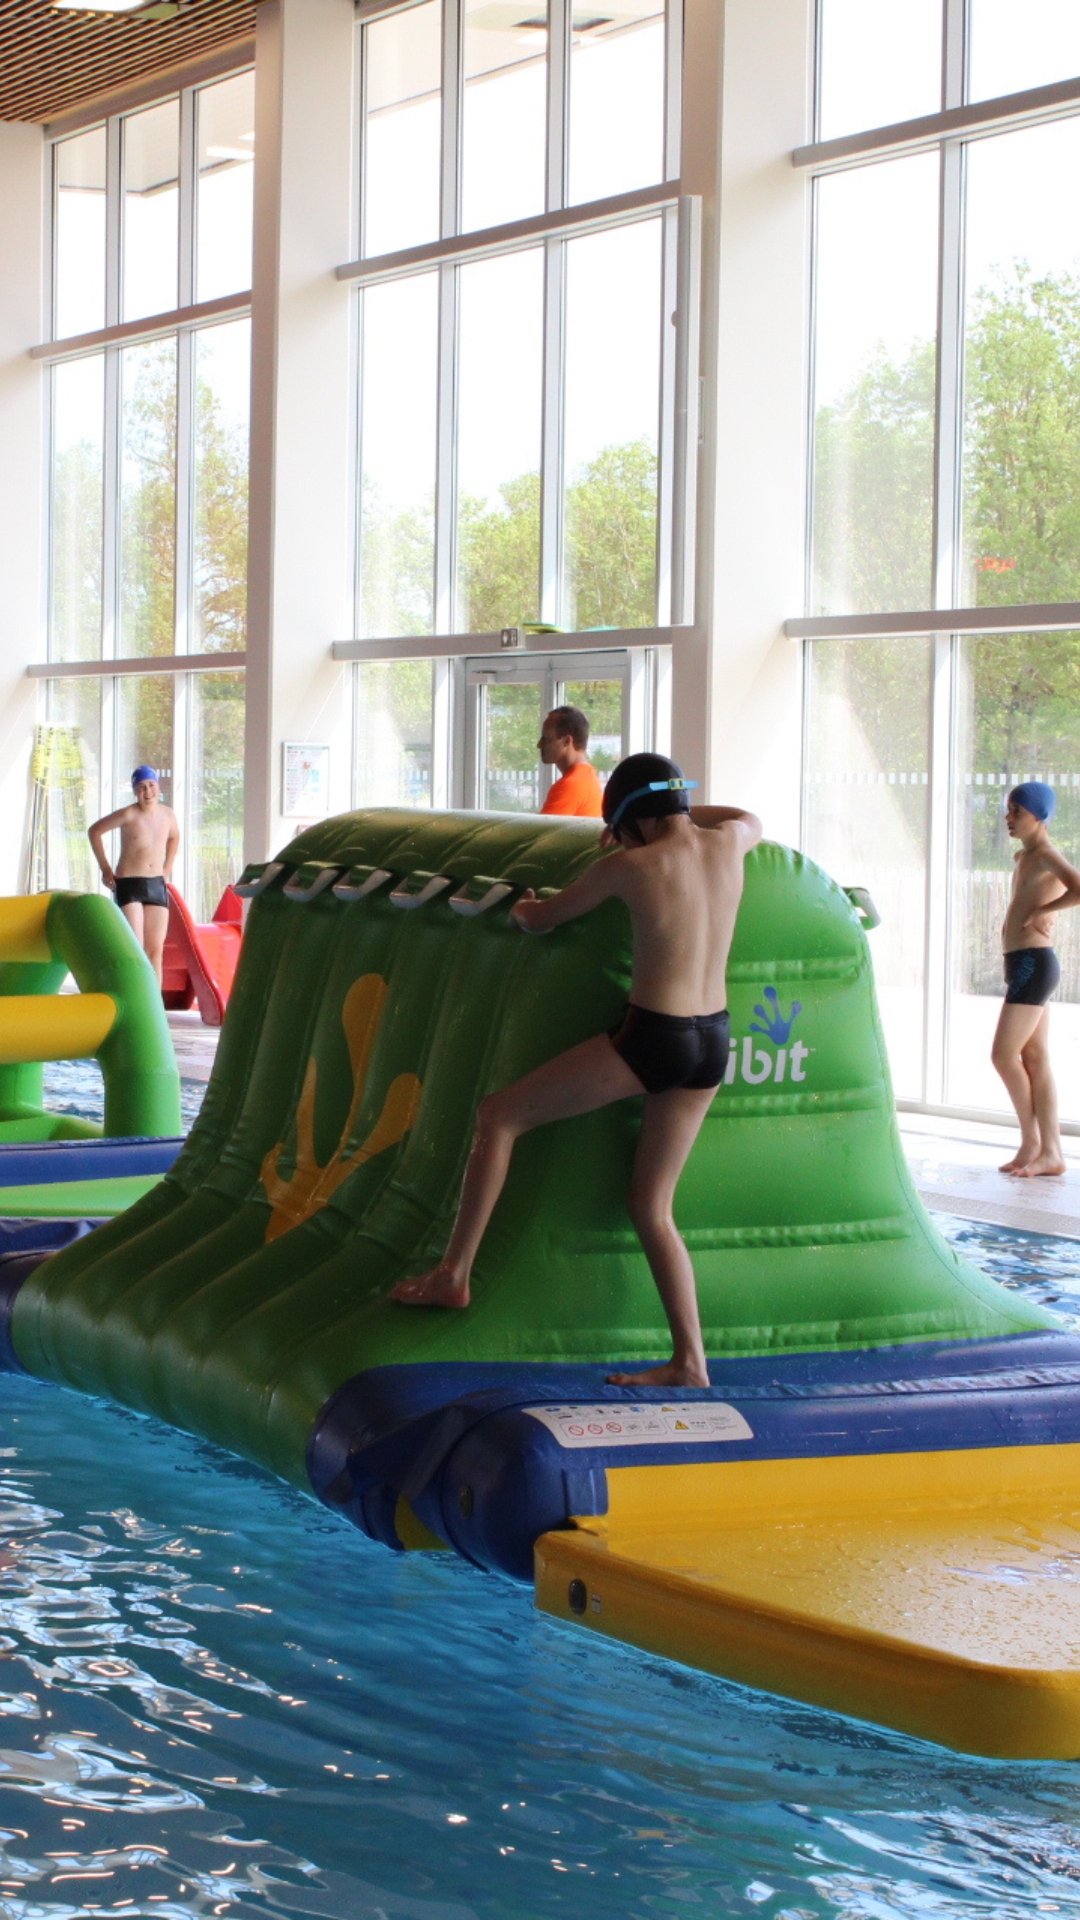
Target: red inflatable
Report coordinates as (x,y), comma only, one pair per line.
(200,961)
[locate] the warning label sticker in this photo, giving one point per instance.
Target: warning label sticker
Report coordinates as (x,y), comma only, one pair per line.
(638,1425)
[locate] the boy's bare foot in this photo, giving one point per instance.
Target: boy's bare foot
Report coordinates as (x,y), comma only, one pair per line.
(1043,1163)
(675,1374)
(439,1288)
(1021,1158)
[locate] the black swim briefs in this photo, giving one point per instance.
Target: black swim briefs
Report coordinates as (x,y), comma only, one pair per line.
(1031,974)
(669,1050)
(141,890)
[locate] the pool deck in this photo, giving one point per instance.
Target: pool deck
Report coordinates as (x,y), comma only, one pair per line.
(954,1163)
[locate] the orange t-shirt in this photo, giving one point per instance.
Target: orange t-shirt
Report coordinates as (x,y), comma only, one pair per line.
(578,791)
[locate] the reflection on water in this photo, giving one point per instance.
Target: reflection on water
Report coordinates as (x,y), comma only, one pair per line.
(75,1086)
(216,1699)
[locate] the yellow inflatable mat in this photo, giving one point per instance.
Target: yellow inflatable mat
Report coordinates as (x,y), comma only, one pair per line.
(938,1593)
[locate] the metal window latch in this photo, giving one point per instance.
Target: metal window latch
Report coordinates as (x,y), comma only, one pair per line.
(512,637)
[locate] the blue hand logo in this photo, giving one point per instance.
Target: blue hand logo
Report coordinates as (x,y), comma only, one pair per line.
(777,1027)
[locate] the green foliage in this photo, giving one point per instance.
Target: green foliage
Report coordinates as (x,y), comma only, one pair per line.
(76,553)
(148,500)
(873,489)
(499,558)
(221,528)
(1022,478)
(611,539)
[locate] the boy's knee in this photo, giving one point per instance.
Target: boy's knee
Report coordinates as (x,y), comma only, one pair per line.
(647,1214)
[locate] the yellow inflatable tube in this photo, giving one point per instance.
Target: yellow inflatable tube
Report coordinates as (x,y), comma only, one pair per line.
(54,1026)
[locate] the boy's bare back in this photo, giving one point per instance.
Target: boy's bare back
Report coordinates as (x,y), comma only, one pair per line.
(682,890)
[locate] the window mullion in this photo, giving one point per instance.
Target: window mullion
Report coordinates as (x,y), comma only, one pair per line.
(110,554)
(949,397)
(187,180)
(552,439)
(181,692)
(558,103)
(450,183)
(954,54)
(673,90)
(185,490)
(114,193)
(446,454)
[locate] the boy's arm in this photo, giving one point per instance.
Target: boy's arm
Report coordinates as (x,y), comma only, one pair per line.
(96,834)
(172,847)
(734,816)
(597,883)
(1070,879)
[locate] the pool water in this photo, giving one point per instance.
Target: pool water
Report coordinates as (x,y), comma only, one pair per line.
(75,1086)
(217,1699)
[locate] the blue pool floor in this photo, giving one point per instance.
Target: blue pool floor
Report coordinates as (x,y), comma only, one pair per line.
(218,1700)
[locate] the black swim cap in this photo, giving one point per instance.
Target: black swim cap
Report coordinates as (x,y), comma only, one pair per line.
(644,787)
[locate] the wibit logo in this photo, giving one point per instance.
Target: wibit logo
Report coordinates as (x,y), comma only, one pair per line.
(754,1064)
(777,1027)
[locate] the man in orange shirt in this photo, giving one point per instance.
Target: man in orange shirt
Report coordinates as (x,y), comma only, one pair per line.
(562,744)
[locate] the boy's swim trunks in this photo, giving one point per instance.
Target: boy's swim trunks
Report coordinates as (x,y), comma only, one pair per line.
(1031,974)
(669,1050)
(144,890)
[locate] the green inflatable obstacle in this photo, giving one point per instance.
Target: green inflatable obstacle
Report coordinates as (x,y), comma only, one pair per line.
(382,990)
(116,1017)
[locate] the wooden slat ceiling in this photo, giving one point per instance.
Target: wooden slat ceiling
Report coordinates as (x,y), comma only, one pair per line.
(51,61)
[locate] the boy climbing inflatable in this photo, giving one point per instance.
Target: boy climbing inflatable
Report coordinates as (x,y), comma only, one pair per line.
(679,871)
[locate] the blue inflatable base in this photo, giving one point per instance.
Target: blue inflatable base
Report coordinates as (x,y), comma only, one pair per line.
(52,1160)
(459,1444)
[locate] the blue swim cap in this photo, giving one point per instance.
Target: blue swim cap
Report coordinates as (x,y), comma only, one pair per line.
(142,773)
(1037,797)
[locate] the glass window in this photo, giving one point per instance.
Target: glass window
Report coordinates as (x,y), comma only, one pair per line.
(874,373)
(867,810)
(144,728)
(1012,47)
(147,566)
(222,397)
(215,826)
(616,100)
(880,63)
(1018,719)
(151,210)
(1022,422)
(395,724)
(511,717)
(78,396)
(79,252)
(397,490)
(66,770)
(503,114)
(402,125)
(499,441)
(611,426)
(226,134)
(601,701)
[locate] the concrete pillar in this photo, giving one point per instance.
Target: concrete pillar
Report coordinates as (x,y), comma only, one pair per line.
(300,570)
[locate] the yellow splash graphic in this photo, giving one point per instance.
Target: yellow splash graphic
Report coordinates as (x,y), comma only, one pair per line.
(311,1186)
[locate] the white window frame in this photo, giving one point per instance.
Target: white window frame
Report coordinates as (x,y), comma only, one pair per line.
(680,297)
(949,131)
(183,324)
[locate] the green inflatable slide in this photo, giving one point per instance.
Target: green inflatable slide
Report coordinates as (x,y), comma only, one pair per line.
(382,990)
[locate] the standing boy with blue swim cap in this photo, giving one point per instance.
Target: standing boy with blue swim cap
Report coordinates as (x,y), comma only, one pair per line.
(149,839)
(682,887)
(1043,883)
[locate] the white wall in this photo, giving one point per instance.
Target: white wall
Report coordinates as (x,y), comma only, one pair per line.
(737,692)
(21,469)
(300,595)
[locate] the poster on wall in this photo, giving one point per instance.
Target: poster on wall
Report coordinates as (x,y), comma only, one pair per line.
(305,783)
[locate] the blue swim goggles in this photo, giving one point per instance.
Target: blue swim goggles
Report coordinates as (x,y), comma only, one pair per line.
(655,786)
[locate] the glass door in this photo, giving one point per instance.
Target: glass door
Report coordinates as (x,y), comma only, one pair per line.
(505,706)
